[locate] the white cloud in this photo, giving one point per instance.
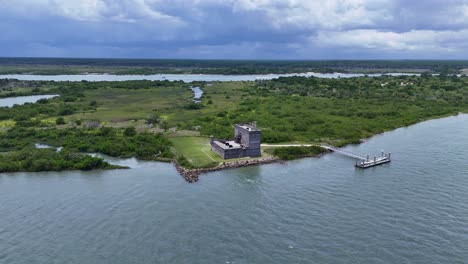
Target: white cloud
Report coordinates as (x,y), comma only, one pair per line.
(330,14)
(414,40)
(86,10)
(91,10)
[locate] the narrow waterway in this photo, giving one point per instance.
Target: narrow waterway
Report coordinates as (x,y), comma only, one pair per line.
(197,93)
(179,77)
(20,100)
(413,210)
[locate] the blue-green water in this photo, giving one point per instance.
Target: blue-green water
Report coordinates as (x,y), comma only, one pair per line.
(414,210)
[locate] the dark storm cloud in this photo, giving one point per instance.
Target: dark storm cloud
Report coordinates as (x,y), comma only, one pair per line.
(232,29)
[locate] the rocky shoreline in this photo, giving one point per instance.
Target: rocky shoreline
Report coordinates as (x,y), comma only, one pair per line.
(192,175)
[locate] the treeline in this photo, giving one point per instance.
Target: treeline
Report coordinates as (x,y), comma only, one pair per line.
(152,66)
(35,160)
(177,63)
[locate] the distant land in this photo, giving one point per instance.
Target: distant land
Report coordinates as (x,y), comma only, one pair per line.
(56,66)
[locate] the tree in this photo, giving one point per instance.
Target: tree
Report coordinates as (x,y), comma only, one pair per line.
(164,125)
(60,121)
(130,132)
(152,119)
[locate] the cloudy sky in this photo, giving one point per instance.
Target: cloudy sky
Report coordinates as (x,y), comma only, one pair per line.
(235,29)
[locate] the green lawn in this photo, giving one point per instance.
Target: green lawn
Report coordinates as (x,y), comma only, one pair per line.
(198,151)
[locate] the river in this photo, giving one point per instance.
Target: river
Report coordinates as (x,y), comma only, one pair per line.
(413,210)
(181,77)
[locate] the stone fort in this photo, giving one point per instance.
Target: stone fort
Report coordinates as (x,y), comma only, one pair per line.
(246,143)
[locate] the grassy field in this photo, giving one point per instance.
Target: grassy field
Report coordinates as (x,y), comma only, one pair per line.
(116,105)
(198,151)
(120,107)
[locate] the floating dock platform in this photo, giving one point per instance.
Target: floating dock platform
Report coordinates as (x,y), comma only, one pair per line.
(362,162)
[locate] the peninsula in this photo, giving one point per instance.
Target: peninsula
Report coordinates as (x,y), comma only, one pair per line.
(159,120)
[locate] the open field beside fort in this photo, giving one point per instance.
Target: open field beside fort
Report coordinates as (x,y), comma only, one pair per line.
(198,151)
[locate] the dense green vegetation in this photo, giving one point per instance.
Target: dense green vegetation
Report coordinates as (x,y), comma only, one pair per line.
(290,153)
(110,141)
(338,111)
(50,160)
(47,66)
(158,120)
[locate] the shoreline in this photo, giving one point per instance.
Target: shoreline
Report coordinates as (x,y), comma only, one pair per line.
(192,175)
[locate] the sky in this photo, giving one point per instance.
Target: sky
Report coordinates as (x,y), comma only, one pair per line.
(235,29)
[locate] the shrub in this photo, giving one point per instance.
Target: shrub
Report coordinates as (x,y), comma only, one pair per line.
(129,132)
(289,153)
(60,121)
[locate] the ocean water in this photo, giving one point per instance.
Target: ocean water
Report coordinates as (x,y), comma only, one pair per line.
(413,210)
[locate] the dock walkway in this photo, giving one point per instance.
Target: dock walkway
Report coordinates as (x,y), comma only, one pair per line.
(344,153)
(362,162)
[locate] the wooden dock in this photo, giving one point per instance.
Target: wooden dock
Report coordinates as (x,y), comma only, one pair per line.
(362,162)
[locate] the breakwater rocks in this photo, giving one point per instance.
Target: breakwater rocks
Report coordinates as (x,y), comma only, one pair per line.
(192,175)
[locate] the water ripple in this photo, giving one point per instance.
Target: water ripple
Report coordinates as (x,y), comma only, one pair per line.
(414,210)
